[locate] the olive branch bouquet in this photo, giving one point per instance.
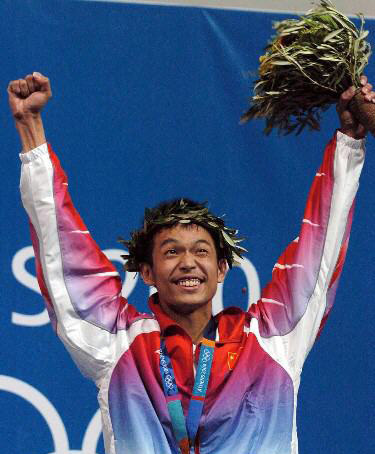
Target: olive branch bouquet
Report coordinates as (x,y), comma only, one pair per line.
(307,65)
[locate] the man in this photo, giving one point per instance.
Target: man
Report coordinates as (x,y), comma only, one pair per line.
(179,380)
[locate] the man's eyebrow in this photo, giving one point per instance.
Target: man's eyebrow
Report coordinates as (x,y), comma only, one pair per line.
(167,241)
(175,241)
(203,241)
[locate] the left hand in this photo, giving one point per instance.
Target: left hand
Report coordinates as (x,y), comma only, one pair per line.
(349,124)
(28,96)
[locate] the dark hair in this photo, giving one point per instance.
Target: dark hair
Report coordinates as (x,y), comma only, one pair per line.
(148,246)
(180,211)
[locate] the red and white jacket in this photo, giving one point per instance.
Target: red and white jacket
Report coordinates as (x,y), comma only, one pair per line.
(251,400)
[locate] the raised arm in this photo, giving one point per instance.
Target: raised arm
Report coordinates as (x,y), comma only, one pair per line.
(296,302)
(82,289)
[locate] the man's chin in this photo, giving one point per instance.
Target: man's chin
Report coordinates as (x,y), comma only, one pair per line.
(187,306)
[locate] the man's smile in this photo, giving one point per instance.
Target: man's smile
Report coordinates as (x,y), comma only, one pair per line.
(189,281)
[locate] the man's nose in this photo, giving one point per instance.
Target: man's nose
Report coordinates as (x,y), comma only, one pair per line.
(187,261)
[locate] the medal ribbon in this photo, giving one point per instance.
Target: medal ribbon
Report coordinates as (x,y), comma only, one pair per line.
(186,431)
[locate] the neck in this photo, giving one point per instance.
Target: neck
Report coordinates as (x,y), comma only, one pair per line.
(194,322)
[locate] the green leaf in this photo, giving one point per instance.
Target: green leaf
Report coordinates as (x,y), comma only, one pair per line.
(305,52)
(348,26)
(287,31)
(281,63)
(332,35)
(356,46)
(330,59)
(228,239)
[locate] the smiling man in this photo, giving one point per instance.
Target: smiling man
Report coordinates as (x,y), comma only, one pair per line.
(178,251)
(179,380)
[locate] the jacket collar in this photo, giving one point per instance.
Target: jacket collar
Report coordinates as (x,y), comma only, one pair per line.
(167,324)
(229,323)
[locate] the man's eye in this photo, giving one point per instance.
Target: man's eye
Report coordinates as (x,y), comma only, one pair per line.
(202,251)
(171,252)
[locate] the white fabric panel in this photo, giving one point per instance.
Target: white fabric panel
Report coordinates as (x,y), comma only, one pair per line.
(92,348)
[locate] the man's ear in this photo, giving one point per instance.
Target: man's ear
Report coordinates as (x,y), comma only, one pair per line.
(222,270)
(147,274)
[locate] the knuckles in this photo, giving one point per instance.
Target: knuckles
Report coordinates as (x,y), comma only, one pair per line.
(21,89)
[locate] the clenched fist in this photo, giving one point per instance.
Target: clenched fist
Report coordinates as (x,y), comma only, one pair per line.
(28,96)
(350,125)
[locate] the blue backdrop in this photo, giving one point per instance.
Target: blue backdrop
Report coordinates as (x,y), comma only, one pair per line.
(146,106)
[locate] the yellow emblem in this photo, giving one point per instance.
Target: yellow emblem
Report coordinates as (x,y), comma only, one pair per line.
(232,358)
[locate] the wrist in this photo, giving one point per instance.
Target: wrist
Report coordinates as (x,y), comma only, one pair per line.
(31,131)
(352,134)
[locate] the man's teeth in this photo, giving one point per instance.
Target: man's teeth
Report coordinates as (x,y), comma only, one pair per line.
(189,282)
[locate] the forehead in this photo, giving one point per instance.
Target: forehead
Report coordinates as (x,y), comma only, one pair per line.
(183,233)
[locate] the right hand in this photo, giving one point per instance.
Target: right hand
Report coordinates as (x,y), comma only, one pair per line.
(28,96)
(349,124)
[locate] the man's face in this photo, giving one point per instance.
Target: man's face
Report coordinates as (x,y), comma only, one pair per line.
(185,268)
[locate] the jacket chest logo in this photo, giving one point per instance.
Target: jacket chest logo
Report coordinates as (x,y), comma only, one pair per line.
(231,360)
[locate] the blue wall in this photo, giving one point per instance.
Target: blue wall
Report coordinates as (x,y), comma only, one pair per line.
(146,106)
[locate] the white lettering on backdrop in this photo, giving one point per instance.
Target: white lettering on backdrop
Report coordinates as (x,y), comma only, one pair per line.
(24,277)
(52,417)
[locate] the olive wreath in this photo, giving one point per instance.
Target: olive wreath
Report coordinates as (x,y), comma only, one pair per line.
(181,212)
